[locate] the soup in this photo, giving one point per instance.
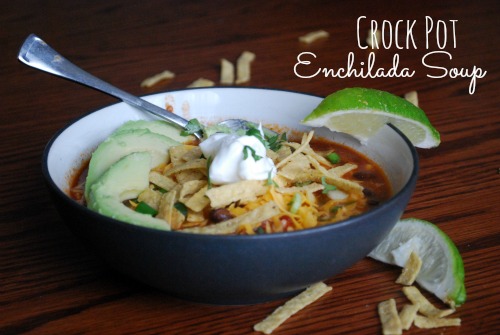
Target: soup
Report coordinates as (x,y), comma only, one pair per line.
(250,184)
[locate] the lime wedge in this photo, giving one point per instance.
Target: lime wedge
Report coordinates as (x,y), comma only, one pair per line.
(361,112)
(442,271)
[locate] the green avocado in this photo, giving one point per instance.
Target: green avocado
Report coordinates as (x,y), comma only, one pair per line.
(158,127)
(123,143)
(124,180)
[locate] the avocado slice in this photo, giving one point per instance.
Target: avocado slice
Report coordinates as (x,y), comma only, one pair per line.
(124,180)
(123,143)
(158,127)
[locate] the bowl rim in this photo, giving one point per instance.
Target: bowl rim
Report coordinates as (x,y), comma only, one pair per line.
(169,233)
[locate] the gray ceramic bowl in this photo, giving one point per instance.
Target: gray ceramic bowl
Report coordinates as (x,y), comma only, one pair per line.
(227,269)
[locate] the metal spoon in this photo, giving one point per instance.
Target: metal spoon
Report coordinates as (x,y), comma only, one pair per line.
(36,53)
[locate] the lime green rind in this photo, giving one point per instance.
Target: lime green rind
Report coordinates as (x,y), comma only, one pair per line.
(449,286)
(459,296)
(358,98)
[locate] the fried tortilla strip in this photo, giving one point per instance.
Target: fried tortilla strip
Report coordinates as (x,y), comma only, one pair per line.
(412,97)
(309,151)
(303,145)
(313,187)
(342,169)
(195,164)
(292,306)
(226,72)
(161,181)
(167,210)
(343,184)
(194,152)
(243,191)
(198,201)
(189,175)
(189,188)
(424,306)
(297,165)
(202,82)
(410,270)
(243,67)
(153,80)
(252,218)
(178,153)
(428,323)
(388,313)
(374,38)
(313,36)
(407,315)
(150,197)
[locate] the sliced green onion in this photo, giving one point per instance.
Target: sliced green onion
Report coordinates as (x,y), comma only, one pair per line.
(328,187)
(296,202)
(333,157)
(181,208)
(209,162)
(144,208)
(270,181)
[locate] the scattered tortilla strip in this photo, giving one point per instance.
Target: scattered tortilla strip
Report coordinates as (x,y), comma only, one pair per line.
(428,323)
(201,82)
(253,218)
(388,313)
(425,306)
(243,191)
(407,315)
(410,270)
(374,38)
(292,306)
(412,97)
(153,80)
(226,72)
(162,181)
(243,67)
(313,36)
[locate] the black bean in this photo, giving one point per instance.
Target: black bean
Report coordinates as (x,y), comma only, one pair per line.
(219,215)
(368,192)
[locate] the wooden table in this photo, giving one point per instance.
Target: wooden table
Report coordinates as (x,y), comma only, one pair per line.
(51,284)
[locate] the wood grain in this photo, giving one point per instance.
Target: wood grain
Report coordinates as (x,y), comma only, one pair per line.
(51,284)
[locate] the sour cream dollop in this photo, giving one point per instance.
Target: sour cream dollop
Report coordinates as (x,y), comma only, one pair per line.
(228,158)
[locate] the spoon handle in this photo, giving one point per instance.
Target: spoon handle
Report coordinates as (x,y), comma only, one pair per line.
(36,53)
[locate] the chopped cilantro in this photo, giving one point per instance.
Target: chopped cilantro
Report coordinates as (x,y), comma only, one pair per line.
(192,127)
(247,148)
